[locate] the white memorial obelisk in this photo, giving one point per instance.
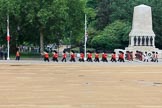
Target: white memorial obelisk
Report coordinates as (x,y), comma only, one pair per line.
(142,26)
(142,36)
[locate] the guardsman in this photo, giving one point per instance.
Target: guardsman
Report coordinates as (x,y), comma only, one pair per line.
(46,56)
(81,59)
(55,56)
(89,58)
(17,55)
(96,57)
(64,56)
(104,57)
(72,56)
(113,57)
(121,56)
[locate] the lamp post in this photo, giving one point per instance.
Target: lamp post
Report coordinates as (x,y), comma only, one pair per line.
(8,39)
(70,39)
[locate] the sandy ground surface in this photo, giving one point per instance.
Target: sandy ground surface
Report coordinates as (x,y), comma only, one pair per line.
(35,84)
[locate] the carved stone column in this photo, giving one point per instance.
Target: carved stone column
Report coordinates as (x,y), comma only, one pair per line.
(132,41)
(140,40)
(149,41)
(145,41)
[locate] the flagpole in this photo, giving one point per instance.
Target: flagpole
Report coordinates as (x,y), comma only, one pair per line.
(85,38)
(8,39)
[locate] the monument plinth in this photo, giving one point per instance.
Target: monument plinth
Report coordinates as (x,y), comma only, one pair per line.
(142,37)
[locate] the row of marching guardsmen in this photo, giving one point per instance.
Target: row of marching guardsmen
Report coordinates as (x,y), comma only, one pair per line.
(82,59)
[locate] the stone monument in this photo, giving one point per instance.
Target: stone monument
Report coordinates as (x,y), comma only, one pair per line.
(142,37)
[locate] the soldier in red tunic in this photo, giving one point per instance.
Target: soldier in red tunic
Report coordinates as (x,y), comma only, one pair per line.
(89,58)
(64,56)
(72,56)
(81,59)
(46,56)
(121,56)
(55,56)
(104,57)
(113,57)
(18,55)
(96,57)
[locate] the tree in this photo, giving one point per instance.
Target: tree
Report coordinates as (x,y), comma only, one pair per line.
(9,8)
(114,36)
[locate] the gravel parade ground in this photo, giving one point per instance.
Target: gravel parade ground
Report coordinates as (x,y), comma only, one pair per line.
(38,84)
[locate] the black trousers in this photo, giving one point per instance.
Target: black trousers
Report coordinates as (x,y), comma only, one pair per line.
(121,60)
(55,59)
(89,59)
(46,59)
(72,59)
(17,57)
(113,59)
(104,60)
(81,59)
(96,60)
(63,59)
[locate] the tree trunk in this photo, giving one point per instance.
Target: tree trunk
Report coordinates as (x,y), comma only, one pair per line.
(41,41)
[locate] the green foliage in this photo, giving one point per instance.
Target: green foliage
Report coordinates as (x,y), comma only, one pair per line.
(109,21)
(109,11)
(113,36)
(54,19)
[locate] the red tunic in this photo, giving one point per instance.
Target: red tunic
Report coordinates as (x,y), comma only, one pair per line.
(17,54)
(90,55)
(64,55)
(82,56)
(105,55)
(129,57)
(73,56)
(121,56)
(114,56)
(96,55)
(46,55)
(55,55)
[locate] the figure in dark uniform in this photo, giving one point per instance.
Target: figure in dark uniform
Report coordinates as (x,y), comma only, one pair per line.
(89,56)
(147,40)
(135,39)
(72,56)
(64,56)
(151,39)
(139,40)
(143,40)
(81,59)
(96,57)
(113,57)
(55,56)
